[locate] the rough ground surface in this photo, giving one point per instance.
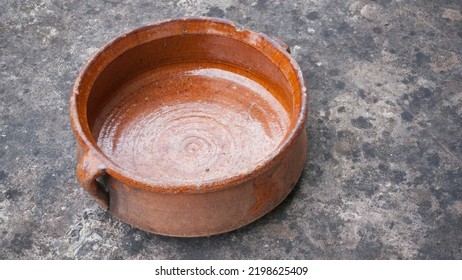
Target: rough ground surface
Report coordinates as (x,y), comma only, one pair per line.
(384,174)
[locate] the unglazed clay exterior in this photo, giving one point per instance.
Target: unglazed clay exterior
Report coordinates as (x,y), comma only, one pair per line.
(194,126)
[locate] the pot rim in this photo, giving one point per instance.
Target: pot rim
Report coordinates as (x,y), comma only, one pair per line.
(90,148)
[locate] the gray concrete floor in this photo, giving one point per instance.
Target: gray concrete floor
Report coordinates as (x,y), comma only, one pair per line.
(384,175)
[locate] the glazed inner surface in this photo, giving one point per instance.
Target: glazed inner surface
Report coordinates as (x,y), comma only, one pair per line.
(191,109)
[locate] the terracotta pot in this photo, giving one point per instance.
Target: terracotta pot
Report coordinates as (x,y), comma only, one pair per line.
(190,127)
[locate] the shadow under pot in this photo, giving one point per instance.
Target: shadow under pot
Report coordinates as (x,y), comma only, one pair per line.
(190,127)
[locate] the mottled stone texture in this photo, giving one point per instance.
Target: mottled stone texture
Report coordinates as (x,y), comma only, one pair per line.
(384,174)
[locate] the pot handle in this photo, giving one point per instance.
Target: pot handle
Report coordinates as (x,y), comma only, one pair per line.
(281,43)
(89,169)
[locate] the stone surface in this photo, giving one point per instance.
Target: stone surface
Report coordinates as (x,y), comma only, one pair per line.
(384,174)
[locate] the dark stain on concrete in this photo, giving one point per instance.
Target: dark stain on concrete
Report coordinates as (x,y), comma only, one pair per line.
(340,85)
(406,116)
(384,3)
(261,4)
(421,59)
(434,160)
(344,28)
(398,176)
(333,72)
(3,175)
(21,243)
(314,15)
(377,30)
(13,194)
(362,122)
(368,150)
(215,12)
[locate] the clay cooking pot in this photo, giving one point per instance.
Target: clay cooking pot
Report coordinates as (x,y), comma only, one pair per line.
(190,127)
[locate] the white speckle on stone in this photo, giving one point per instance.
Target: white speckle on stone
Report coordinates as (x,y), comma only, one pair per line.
(369,12)
(296,52)
(91,50)
(311,30)
(319,63)
(425,83)
(53,32)
(354,7)
(453,15)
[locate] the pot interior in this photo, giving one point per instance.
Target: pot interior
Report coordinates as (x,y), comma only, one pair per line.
(192,108)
